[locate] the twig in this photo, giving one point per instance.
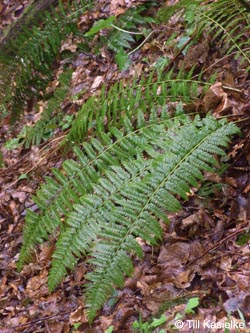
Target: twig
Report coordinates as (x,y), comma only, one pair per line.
(179,296)
(237,232)
(178,53)
(219,60)
(42,319)
(232,89)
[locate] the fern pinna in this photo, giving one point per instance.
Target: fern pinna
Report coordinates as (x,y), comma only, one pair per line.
(123,183)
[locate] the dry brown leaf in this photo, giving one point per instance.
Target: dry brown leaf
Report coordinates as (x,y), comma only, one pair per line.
(69,45)
(173,260)
(37,285)
(78,316)
(196,54)
(97,82)
(226,263)
(117,7)
(216,99)
(58,327)
(20,196)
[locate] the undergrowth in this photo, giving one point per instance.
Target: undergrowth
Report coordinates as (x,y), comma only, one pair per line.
(227,22)
(135,158)
(30,57)
(32,54)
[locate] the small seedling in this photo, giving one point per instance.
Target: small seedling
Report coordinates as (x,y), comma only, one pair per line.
(76,326)
(109,330)
(148,327)
(191,304)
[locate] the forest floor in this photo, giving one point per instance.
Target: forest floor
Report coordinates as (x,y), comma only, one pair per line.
(205,252)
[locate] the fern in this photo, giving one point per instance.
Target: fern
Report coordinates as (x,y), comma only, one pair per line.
(34,54)
(225,25)
(50,117)
(130,20)
(226,20)
(134,217)
(119,195)
(56,197)
(116,107)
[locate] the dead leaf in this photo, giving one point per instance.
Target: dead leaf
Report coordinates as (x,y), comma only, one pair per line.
(173,260)
(196,54)
(117,7)
(97,82)
(21,196)
(78,316)
(37,285)
(58,327)
(69,45)
(216,99)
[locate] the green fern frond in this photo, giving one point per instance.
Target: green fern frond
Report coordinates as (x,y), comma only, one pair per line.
(34,53)
(116,107)
(56,197)
(227,20)
(131,20)
(223,20)
(171,175)
(50,117)
(113,195)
